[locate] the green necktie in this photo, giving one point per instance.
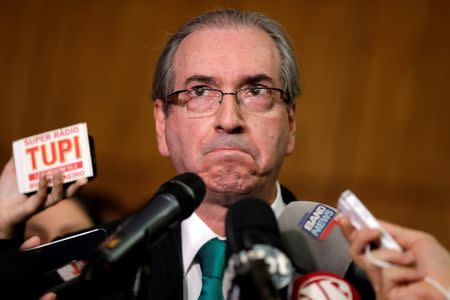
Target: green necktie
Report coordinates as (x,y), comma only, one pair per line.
(211,258)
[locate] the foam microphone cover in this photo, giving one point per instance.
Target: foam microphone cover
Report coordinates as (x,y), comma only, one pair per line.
(249,222)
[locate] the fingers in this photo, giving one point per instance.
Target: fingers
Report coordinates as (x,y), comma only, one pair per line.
(41,193)
(32,242)
(404,236)
(360,238)
(74,187)
(42,199)
(357,238)
(57,192)
(48,296)
(394,257)
(345,225)
(395,281)
(400,275)
(35,202)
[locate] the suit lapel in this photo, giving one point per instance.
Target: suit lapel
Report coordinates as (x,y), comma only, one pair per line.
(287,195)
(162,276)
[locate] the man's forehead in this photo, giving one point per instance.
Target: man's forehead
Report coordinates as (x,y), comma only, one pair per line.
(217,53)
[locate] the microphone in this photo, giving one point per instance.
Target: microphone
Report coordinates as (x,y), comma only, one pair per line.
(260,269)
(311,238)
(322,286)
(174,201)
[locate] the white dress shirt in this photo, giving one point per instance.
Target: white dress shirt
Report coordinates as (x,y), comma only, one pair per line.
(194,234)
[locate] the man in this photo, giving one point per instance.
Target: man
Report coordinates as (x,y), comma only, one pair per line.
(224,105)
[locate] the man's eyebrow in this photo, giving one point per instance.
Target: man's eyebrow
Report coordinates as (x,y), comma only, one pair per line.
(253,79)
(200,78)
(245,80)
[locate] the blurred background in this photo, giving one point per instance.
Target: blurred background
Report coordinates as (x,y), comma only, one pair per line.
(373,116)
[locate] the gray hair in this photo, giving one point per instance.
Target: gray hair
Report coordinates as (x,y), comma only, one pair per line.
(164,76)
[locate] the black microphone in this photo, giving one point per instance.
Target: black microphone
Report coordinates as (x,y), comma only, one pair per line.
(175,200)
(311,238)
(260,269)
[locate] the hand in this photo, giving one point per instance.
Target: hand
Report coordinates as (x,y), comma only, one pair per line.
(16,208)
(422,256)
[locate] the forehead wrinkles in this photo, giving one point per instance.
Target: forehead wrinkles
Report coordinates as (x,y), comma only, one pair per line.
(205,51)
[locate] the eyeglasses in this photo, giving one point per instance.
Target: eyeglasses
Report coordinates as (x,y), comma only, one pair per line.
(203,102)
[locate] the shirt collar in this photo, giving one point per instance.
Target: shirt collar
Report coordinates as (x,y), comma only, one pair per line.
(278,205)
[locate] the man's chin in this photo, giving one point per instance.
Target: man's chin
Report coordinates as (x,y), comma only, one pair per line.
(230,184)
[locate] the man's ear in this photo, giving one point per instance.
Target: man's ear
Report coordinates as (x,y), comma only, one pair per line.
(160,126)
(292,129)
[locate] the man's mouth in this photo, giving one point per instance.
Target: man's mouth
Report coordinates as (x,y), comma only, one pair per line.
(228,144)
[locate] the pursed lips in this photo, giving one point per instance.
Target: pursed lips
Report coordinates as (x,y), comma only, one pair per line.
(224,149)
(230,145)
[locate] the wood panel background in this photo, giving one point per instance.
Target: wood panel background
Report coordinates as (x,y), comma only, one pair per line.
(373,117)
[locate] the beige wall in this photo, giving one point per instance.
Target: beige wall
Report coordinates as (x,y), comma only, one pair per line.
(373,117)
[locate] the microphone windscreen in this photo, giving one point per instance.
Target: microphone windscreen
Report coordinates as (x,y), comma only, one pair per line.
(311,238)
(249,222)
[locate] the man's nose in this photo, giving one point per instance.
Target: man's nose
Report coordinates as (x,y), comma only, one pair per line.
(229,117)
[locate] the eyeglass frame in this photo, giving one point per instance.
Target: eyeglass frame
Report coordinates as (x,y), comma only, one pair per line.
(176,100)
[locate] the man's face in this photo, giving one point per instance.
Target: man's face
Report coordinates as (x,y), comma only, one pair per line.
(235,152)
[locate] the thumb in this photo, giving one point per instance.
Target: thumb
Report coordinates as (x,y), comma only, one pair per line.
(32,242)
